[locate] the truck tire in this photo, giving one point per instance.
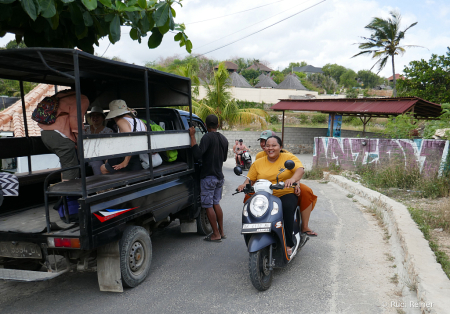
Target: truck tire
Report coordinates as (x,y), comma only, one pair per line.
(203,225)
(258,266)
(135,256)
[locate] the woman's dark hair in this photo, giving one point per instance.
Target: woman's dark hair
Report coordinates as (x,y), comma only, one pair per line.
(280,142)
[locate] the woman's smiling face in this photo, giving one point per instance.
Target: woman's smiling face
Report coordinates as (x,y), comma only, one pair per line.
(272,148)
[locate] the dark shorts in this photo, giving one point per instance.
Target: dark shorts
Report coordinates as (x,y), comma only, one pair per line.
(65,150)
(211,191)
(133,165)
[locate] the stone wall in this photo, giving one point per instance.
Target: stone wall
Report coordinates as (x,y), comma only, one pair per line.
(349,153)
(296,140)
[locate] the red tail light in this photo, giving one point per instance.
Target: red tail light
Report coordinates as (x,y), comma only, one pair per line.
(73,243)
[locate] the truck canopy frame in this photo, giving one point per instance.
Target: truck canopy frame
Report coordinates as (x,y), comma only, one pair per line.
(102,81)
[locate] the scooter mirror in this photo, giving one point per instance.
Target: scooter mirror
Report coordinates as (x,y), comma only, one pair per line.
(237,171)
(289,164)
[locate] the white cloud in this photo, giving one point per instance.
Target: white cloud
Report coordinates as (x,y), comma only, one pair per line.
(324,34)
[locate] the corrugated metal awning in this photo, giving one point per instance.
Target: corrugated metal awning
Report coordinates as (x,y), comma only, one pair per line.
(364,106)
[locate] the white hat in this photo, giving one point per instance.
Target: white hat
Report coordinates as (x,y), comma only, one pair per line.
(97,109)
(117,107)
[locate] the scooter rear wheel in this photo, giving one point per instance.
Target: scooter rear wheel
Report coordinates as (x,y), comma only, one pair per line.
(258,266)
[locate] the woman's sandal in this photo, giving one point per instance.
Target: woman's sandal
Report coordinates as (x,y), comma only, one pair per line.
(310,233)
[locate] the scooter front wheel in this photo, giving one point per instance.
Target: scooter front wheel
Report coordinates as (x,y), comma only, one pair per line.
(259,268)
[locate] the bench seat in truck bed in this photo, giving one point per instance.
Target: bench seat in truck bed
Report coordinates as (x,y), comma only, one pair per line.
(121,178)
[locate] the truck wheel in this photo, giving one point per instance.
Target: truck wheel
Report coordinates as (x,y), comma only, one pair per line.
(203,225)
(135,256)
(258,266)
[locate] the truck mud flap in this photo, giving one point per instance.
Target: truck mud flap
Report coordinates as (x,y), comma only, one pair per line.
(108,268)
(29,275)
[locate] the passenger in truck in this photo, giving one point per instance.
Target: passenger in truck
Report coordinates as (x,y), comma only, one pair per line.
(126,122)
(97,125)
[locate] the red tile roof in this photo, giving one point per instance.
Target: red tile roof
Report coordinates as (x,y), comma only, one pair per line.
(11,119)
(397,77)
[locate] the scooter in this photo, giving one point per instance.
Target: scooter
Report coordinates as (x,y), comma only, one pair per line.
(246,159)
(263,230)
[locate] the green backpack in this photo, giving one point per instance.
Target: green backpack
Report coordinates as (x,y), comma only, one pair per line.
(169,155)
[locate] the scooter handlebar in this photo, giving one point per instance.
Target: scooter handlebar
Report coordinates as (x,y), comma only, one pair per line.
(280,186)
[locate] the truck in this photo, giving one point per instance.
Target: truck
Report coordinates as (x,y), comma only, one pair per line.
(117,212)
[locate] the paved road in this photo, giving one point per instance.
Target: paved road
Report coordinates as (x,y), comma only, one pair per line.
(344,270)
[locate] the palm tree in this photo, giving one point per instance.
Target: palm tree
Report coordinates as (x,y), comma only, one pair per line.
(384,42)
(219,101)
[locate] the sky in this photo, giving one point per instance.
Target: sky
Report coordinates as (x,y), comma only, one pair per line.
(323,32)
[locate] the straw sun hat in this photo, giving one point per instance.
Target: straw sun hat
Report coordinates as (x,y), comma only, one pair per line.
(117,108)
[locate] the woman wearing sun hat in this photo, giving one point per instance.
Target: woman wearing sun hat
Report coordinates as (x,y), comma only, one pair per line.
(96,120)
(125,120)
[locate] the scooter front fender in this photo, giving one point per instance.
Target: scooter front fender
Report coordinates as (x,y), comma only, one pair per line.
(259,241)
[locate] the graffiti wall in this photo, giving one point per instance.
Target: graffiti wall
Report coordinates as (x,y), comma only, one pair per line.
(348,153)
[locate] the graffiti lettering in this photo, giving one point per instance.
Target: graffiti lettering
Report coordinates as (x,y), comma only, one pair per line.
(349,153)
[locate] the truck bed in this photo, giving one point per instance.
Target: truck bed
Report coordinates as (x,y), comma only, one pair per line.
(121,178)
(31,221)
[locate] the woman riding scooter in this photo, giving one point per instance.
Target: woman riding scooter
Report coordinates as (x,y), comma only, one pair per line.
(268,168)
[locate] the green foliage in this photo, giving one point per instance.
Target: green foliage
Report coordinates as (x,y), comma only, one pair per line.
(442,123)
(251,75)
(291,65)
(334,70)
(314,174)
(319,118)
(309,85)
(322,81)
(429,80)
(369,79)
(301,75)
(353,121)
(81,23)
(348,79)
(12,44)
(426,221)
(244,104)
(304,119)
(384,42)
(352,93)
(218,101)
(277,76)
(401,126)
(273,119)
(9,87)
(397,175)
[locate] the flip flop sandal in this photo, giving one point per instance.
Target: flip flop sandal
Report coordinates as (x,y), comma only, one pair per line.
(224,237)
(208,239)
(310,233)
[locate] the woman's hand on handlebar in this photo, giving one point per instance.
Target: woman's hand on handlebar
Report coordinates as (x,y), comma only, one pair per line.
(288,183)
(297,189)
(241,187)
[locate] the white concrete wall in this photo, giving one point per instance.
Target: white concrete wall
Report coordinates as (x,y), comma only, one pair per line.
(267,95)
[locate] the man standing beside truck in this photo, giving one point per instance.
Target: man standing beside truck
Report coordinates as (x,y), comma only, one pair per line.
(213,151)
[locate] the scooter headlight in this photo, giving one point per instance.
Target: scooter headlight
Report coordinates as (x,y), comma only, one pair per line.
(259,205)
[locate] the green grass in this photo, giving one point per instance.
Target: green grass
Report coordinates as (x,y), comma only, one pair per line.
(313,174)
(396,175)
(422,218)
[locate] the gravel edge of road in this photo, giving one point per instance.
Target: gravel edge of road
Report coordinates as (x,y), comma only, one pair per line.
(419,261)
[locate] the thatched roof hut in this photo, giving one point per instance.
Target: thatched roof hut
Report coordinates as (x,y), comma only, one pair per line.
(266,82)
(238,80)
(291,82)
